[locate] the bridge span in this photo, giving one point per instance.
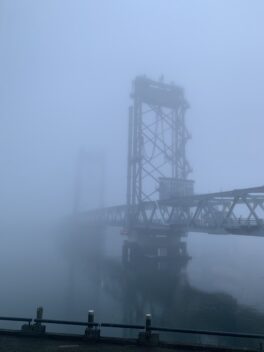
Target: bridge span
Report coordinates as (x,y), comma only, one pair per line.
(239,211)
(160,196)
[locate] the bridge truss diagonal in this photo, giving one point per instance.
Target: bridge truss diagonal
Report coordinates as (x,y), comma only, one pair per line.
(237,212)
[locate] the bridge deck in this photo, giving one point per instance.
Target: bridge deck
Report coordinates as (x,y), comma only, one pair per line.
(239,211)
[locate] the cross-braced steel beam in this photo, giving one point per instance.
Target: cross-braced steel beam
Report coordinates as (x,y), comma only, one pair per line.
(232,212)
(156,143)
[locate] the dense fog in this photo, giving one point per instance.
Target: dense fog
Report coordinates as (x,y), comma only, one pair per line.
(66,71)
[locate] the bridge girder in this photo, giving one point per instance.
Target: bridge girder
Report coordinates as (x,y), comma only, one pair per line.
(232,212)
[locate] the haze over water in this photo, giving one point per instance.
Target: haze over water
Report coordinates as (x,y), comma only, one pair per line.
(66,69)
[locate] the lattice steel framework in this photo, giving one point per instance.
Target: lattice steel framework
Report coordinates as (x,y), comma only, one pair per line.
(157,150)
(157,139)
(239,211)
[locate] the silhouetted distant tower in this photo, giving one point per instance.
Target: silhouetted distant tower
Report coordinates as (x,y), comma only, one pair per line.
(157,163)
(89,181)
(87,242)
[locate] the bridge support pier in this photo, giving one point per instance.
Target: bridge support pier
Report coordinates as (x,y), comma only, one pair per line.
(155,249)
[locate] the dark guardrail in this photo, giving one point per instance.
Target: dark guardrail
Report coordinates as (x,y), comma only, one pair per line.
(27,320)
(148,334)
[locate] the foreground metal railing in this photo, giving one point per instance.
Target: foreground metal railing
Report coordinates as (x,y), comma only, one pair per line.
(28,320)
(148,335)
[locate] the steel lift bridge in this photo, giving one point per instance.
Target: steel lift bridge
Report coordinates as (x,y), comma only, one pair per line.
(160,196)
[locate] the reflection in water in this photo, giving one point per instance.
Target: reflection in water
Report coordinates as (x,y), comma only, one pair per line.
(151,278)
(154,273)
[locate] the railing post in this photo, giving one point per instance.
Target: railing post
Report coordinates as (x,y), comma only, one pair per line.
(38,327)
(147,337)
(92,332)
(148,324)
(39,313)
(90,317)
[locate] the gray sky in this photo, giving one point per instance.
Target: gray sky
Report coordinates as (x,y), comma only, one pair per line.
(66,69)
(65,77)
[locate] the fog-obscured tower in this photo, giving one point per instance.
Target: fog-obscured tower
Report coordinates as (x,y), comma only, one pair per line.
(89,187)
(157,163)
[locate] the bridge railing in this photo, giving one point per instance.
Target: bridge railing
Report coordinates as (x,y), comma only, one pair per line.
(147,335)
(243,222)
(17,319)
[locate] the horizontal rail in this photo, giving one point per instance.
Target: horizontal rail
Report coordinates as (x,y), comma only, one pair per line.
(152,328)
(28,320)
(66,322)
(209,333)
(123,326)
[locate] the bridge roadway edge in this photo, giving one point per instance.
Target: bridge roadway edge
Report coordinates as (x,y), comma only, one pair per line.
(17,340)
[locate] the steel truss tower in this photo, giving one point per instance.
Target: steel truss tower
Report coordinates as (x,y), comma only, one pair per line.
(157,163)
(160,199)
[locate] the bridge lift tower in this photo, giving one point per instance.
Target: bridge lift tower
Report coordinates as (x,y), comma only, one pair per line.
(161,207)
(160,196)
(157,165)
